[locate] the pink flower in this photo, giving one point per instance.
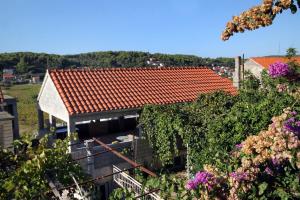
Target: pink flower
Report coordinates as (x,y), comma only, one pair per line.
(190,185)
(278,69)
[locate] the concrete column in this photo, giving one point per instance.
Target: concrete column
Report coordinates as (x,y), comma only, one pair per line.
(89,144)
(188,166)
(140,130)
(15,120)
(71,129)
(237,72)
(52,122)
(40,119)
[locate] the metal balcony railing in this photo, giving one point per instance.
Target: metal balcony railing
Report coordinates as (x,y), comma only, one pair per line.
(126,181)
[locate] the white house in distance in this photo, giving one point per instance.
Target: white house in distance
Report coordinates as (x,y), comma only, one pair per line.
(257,64)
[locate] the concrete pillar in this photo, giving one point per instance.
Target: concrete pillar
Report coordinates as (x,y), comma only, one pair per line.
(89,144)
(237,73)
(188,165)
(140,130)
(40,119)
(52,122)
(71,130)
(15,120)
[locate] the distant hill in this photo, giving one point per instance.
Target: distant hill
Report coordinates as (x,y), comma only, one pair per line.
(39,62)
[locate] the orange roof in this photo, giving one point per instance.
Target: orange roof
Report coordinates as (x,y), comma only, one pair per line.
(1,96)
(86,91)
(267,61)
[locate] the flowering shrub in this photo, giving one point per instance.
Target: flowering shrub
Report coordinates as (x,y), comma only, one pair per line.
(282,87)
(264,165)
(203,178)
(278,69)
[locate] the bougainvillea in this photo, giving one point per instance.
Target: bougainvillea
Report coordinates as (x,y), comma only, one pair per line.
(292,124)
(262,159)
(278,69)
(203,178)
(258,16)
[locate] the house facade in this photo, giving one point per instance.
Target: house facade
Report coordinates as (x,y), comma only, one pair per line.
(257,64)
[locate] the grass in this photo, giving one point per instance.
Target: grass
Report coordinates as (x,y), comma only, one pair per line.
(26,102)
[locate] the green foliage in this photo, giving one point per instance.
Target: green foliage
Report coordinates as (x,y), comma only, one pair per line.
(23,173)
(161,125)
(214,123)
(291,52)
(122,193)
(166,186)
(22,66)
(39,62)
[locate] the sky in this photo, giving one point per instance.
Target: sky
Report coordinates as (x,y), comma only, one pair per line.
(190,27)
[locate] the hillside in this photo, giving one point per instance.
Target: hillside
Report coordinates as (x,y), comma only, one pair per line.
(39,62)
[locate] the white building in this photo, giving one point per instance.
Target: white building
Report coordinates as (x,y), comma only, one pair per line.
(257,64)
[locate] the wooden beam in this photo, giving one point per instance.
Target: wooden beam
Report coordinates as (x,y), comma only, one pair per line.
(124,157)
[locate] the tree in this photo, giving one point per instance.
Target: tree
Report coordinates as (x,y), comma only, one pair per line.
(22,66)
(291,52)
(258,16)
(23,173)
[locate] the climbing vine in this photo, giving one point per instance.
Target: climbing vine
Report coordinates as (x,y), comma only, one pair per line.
(215,122)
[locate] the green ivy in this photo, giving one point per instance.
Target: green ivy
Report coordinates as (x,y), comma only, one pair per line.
(215,122)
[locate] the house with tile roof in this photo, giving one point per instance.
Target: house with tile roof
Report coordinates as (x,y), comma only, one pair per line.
(257,64)
(77,95)
(104,103)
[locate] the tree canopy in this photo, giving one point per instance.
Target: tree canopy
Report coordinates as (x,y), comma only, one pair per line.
(39,62)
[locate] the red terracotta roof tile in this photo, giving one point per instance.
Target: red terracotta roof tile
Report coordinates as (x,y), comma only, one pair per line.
(86,91)
(1,96)
(267,61)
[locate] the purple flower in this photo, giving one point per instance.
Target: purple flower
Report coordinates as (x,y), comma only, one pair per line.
(202,177)
(291,120)
(238,176)
(239,146)
(292,126)
(293,113)
(269,171)
(190,185)
(275,161)
(278,69)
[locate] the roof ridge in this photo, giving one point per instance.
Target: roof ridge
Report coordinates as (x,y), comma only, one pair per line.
(127,68)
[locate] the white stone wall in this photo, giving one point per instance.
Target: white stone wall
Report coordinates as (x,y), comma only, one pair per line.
(50,102)
(253,67)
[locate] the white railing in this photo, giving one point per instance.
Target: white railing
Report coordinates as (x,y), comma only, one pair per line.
(126,181)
